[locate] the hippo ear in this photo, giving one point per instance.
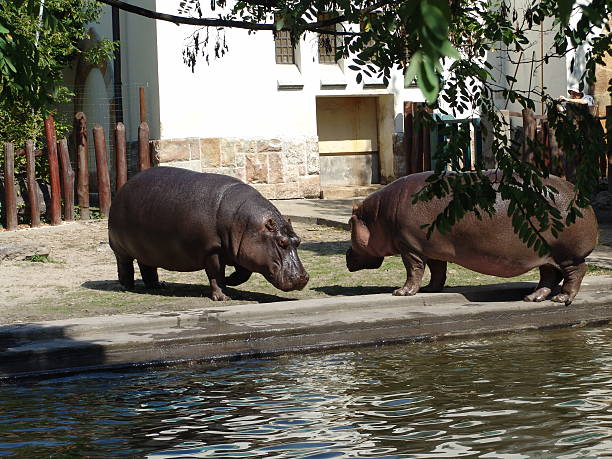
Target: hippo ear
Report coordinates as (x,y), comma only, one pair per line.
(356,206)
(360,234)
(271,225)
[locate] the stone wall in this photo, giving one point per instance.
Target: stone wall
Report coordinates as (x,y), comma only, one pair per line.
(278,168)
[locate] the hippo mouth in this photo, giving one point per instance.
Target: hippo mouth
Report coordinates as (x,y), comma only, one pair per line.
(288,275)
(356,261)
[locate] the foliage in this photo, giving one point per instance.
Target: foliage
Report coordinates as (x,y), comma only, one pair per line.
(444,45)
(34,51)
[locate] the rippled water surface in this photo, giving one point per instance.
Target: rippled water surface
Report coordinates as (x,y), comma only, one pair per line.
(543,394)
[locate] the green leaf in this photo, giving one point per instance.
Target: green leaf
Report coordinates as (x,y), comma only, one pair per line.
(278,25)
(413,68)
(3,29)
(447,49)
(565,9)
(434,17)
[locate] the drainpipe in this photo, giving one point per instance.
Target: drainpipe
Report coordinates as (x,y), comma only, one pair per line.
(117,84)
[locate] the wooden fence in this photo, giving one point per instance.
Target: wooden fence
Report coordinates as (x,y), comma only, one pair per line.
(62,178)
(420,140)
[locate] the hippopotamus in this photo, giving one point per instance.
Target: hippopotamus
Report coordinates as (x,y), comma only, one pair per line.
(387,223)
(181,220)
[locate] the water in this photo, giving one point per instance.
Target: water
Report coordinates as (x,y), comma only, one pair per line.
(535,394)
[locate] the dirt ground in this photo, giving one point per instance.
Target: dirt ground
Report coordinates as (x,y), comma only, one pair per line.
(79,278)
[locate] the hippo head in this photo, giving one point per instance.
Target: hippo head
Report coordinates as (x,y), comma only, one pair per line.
(357,256)
(269,247)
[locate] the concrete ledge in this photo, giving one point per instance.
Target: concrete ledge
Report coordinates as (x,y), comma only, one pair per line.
(231,332)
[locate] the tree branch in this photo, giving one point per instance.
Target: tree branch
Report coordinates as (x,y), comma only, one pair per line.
(209,22)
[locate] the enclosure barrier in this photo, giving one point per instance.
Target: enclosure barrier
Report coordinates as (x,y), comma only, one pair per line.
(62,176)
(421,140)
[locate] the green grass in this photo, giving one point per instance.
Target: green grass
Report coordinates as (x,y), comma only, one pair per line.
(322,253)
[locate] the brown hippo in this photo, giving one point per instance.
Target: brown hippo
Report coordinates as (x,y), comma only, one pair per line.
(182,220)
(388,223)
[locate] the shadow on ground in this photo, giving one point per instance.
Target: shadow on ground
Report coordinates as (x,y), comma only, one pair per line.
(325,248)
(181,290)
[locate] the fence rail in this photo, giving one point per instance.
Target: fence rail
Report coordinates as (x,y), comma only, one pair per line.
(63,179)
(420,140)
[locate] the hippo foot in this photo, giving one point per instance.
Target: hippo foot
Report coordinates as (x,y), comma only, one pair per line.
(563,298)
(539,295)
(405,291)
(128,287)
(220,296)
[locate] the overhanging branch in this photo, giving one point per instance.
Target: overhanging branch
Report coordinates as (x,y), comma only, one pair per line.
(210,22)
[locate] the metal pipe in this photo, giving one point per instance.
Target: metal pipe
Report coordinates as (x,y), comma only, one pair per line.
(117,83)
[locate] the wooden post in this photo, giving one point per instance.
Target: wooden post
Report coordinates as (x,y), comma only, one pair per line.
(417,139)
(144,153)
(609,136)
(104,192)
(10,197)
(408,134)
(143,107)
(80,130)
(67,180)
(32,185)
(51,138)
(426,157)
(120,157)
(529,134)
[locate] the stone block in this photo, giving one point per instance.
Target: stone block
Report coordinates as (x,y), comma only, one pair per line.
(294,152)
(256,168)
(293,172)
(267,190)
(287,191)
(195,165)
(275,168)
(269,145)
(169,150)
(228,152)
(309,186)
(248,146)
(22,251)
(210,152)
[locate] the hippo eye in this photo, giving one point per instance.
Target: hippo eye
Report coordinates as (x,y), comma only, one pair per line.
(283,241)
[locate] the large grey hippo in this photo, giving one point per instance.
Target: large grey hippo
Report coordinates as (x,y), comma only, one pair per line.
(181,220)
(388,223)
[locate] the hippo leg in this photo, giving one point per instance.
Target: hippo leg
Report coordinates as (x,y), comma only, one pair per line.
(125,271)
(572,278)
(415,268)
(216,274)
(239,276)
(149,276)
(550,277)
(437,268)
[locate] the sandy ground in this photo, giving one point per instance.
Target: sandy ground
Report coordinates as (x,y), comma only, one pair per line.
(80,278)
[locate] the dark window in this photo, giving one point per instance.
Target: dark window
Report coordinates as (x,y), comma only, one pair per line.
(285,53)
(328,44)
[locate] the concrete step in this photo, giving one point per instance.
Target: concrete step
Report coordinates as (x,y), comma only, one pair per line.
(353,191)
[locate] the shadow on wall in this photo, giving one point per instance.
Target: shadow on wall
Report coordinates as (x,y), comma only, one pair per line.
(25,351)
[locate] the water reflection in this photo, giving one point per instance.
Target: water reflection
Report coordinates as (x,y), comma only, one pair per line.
(545,394)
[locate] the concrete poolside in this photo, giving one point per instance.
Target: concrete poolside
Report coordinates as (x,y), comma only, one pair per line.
(256,330)
(251,330)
